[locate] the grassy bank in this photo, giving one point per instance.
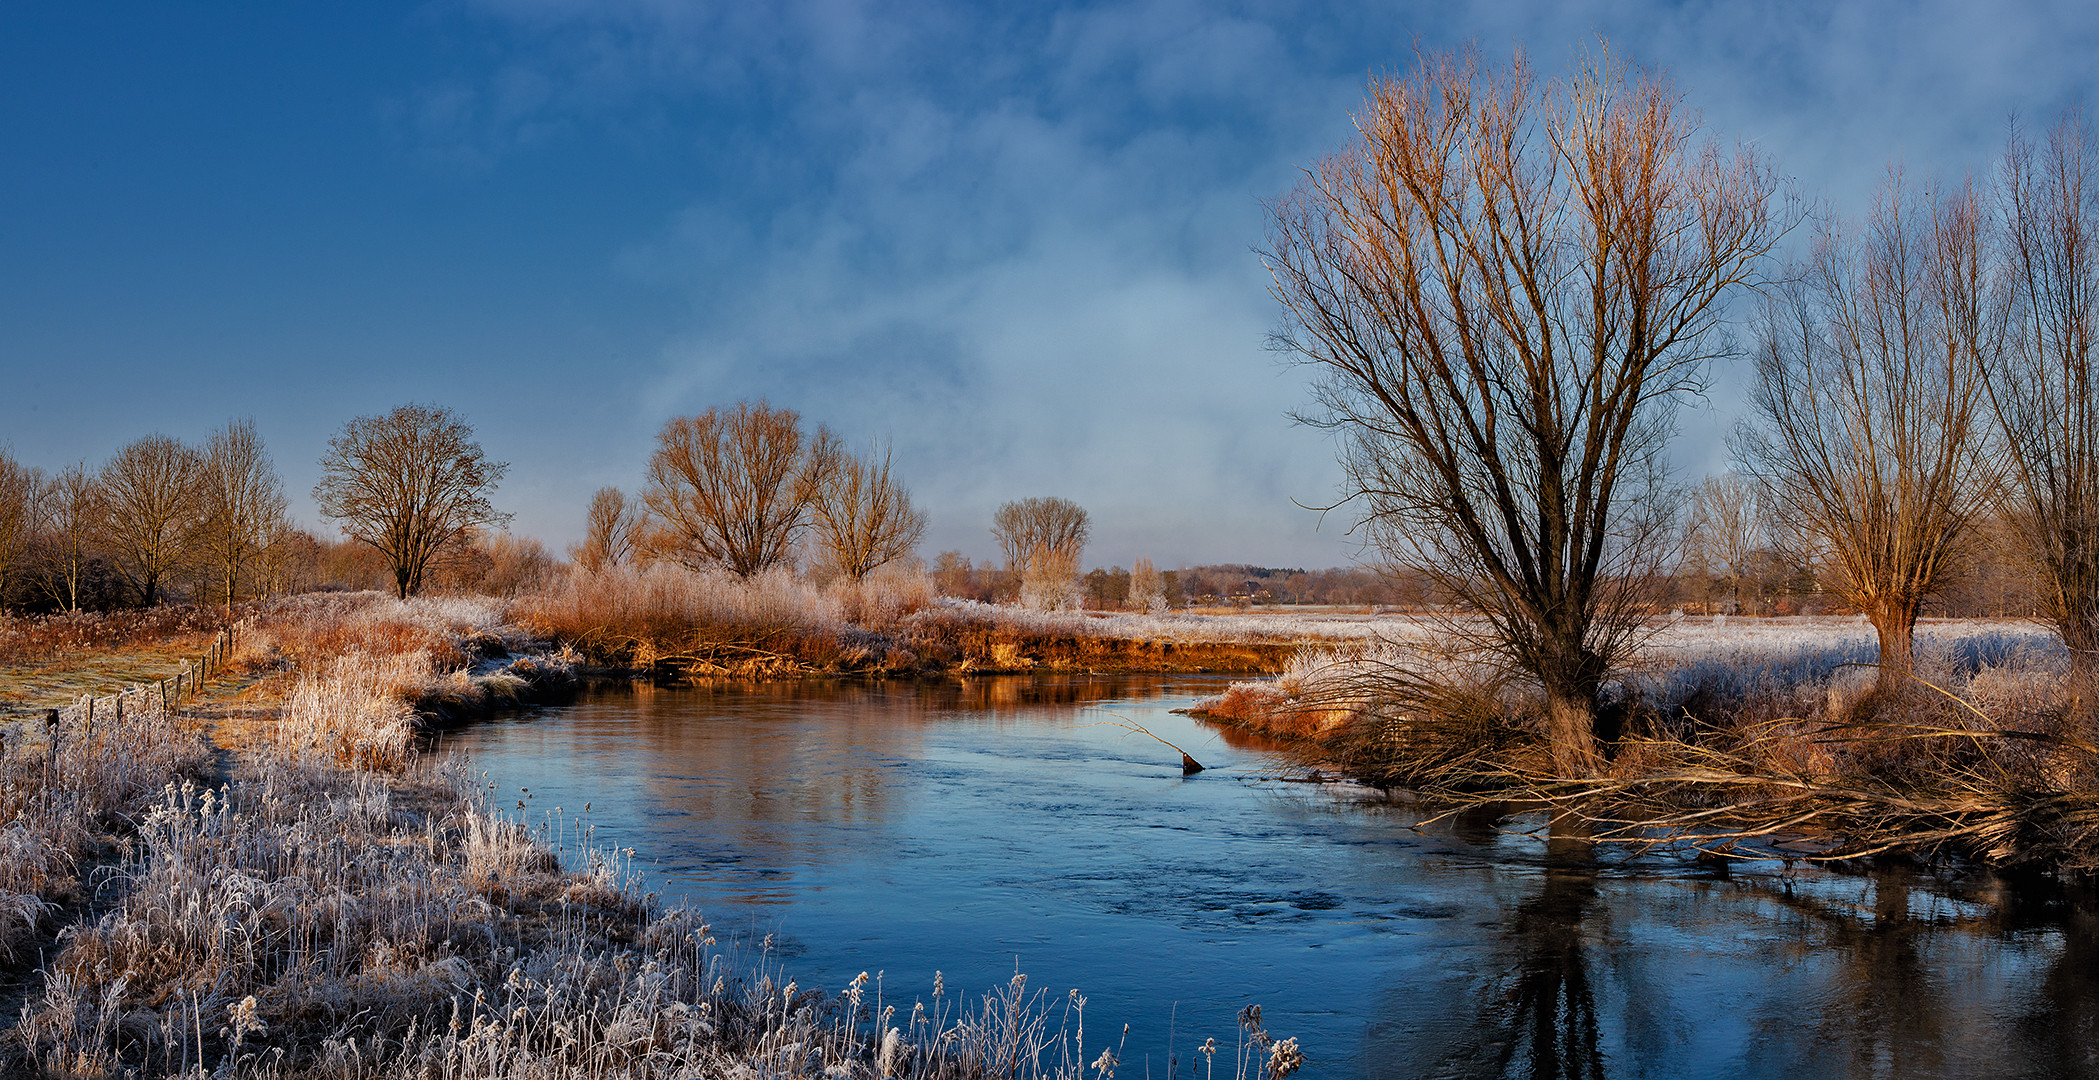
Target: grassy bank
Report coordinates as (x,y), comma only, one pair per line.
(270,881)
(1750,737)
(671,622)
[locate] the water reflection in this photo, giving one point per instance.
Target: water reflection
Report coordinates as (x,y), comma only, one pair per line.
(1551,1010)
(972,825)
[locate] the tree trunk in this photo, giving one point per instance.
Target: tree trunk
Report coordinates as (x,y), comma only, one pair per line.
(1896,624)
(2080,634)
(1570,728)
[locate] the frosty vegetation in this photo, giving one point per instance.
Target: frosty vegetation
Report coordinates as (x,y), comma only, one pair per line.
(330,903)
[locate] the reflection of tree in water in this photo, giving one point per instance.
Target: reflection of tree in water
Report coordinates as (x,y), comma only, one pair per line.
(1550,1010)
(2060,1032)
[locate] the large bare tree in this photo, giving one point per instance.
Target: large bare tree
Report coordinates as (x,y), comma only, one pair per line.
(610,530)
(1505,286)
(21,504)
(1044,541)
(150,490)
(863,518)
(2044,382)
(410,484)
(732,487)
(240,506)
(1871,432)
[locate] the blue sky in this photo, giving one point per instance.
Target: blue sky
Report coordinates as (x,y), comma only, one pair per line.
(1015,240)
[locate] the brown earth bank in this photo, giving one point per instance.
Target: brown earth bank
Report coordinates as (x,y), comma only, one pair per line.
(268,878)
(1770,740)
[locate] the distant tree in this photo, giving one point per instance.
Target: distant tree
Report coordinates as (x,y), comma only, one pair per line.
(1870,438)
(612,526)
(732,488)
(863,517)
(1147,588)
(74,512)
(21,503)
(410,484)
(240,506)
(291,561)
(951,573)
(1724,530)
(150,488)
(516,564)
(1504,287)
(1044,540)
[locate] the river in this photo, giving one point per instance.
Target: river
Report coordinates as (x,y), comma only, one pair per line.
(989,825)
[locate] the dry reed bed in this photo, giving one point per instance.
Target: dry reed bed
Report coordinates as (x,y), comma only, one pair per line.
(346,910)
(30,639)
(662,618)
(1735,732)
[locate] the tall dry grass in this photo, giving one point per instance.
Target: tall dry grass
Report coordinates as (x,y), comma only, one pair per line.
(71,790)
(31,638)
(666,616)
(1736,733)
(363,913)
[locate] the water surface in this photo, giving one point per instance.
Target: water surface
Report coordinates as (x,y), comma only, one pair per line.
(983,826)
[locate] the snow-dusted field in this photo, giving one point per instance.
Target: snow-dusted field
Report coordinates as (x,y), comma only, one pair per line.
(1261,625)
(1733,641)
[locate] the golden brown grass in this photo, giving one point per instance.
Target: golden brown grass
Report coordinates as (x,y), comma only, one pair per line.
(1987,755)
(672,621)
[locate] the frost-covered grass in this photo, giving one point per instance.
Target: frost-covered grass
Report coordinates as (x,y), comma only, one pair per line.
(1264,626)
(343,908)
(1692,675)
(1766,724)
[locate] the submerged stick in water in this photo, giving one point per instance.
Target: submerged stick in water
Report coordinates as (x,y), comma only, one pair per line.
(1189,766)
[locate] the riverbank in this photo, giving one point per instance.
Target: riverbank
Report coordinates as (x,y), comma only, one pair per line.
(269,878)
(663,622)
(1733,735)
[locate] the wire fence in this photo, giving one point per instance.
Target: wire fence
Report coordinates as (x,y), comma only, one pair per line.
(165,696)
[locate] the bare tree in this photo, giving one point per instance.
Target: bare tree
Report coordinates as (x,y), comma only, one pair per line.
(1147,587)
(613,524)
(240,505)
(1724,530)
(410,484)
(1044,541)
(2045,381)
(863,518)
(1871,440)
(150,488)
(1505,288)
(21,503)
(732,488)
(74,512)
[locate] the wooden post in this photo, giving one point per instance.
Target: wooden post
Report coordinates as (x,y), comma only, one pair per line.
(91,716)
(51,758)
(120,708)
